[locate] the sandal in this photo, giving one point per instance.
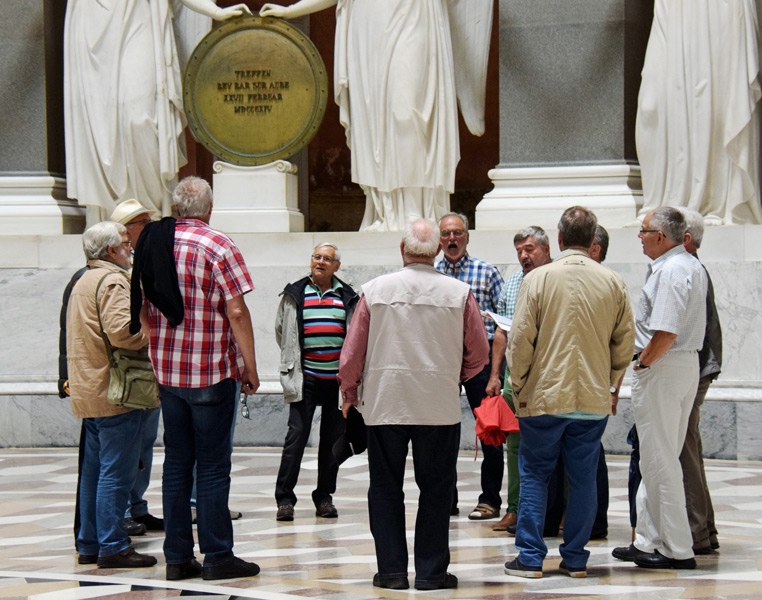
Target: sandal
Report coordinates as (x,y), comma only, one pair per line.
(484,511)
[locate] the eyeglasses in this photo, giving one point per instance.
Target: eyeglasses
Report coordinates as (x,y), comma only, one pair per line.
(245,406)
(649,230)
(458,233)
(325,259)
(128,243)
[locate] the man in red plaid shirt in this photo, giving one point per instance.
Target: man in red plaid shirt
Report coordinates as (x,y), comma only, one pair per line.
(197,363)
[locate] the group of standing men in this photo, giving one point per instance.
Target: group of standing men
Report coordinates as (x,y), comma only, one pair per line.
(400,353)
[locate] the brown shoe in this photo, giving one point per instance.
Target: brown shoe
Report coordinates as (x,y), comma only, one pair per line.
(502,524)
(126,559)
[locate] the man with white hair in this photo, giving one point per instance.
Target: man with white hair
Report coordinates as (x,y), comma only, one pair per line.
(99,306)
(202,342)
(670,323)
(415,336)
(310,328)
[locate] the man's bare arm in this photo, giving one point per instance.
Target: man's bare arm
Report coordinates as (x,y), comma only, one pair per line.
(240,323)
(499,344)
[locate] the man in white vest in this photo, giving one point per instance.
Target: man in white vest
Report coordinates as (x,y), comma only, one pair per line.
(416,334)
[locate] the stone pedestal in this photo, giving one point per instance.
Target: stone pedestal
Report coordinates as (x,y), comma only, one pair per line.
(569,81)
(32,161)
(256,199)
(538,195)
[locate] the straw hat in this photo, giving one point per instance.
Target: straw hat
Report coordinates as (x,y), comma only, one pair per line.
(129,209)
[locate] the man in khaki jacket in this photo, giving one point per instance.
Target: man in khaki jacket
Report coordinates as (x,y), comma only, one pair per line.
(112,433)
(571,340)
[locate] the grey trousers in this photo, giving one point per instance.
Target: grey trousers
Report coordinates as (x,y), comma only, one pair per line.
(697,498)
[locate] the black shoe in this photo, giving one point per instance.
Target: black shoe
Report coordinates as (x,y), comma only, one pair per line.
(186,570)
(703,550)
(511,529)
(231,569)
(454,511)
(285,513)
(600,534)
(326,510)
(152,523)
(449,581)
(132,527)
(656,560)
(572,571)
(126,559)
(516,568)
(628,553)
(713,543)
(235,515)
(390,583)
(87,559)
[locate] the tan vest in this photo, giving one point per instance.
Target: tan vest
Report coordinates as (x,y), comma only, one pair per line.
(415,348)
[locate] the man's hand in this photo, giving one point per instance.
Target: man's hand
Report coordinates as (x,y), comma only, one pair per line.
(249,382)
(345,406)
(494,387)
(614,402)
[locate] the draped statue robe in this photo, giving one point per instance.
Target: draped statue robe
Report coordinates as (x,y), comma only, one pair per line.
(395,79)
(123,112)
(698,122)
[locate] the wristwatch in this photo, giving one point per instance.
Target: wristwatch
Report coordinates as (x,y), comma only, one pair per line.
(640,364)
(613,389)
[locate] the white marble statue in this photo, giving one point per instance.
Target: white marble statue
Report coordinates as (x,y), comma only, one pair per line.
(698,122)
(401,67)
(123,109)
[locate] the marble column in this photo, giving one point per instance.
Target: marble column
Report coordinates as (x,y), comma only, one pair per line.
(32,161)
(569,80)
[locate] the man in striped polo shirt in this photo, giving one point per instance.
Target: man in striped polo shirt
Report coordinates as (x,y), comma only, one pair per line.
(312,320)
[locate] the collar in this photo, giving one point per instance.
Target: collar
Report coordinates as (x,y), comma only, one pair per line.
(335,285)
(570,252)
(658,263)
(456,266)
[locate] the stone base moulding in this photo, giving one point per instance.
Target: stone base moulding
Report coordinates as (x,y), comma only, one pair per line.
(37,205)
(256,199)
(525,196)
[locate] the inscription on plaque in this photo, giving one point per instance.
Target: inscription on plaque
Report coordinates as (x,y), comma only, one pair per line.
(255,91)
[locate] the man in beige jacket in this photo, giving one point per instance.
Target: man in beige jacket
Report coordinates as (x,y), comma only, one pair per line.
(112,433)
(571,340)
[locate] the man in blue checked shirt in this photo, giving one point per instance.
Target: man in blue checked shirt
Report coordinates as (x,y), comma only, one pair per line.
(486,283)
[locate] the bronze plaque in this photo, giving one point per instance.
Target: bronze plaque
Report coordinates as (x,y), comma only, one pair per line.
(255,90)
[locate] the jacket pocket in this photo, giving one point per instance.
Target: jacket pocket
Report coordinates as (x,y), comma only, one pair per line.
(291,381)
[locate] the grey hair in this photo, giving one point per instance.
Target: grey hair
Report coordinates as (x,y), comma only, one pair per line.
(461,216)
(100,237)
(192,197)
(421,239)
(602,239)
(533,231)
(577,227)
(670,221)
(694,224)
(336,253)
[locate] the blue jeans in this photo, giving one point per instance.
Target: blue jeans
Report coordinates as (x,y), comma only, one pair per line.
(543,439)
(197,431)
(315,392)
(435,453)
(148,430)
(107,476)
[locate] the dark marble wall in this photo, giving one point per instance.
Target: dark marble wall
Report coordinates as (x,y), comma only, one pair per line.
(569,79)
(31,92)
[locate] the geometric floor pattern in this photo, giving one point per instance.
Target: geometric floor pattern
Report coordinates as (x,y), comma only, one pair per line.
(316,558)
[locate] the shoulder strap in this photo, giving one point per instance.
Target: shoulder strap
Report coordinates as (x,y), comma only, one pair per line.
(109,349)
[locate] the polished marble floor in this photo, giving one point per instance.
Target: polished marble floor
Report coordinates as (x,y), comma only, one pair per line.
(316,558)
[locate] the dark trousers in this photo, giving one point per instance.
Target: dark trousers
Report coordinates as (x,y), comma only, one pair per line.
(435,453)
(492,461)
(197,431)
(315,392)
